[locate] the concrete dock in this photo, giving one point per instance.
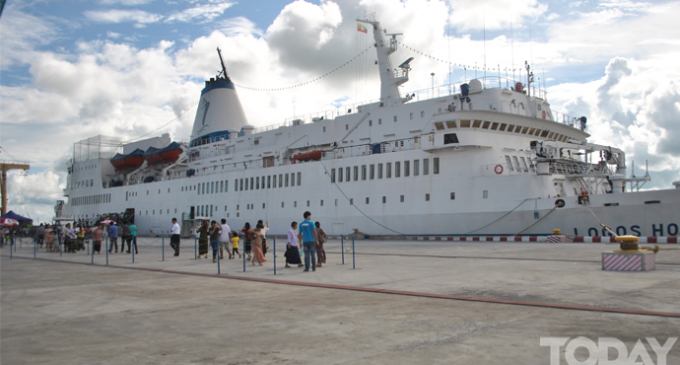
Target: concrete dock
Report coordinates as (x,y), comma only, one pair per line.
(405,303)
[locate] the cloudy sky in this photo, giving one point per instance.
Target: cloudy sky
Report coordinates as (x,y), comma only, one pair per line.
(72,69)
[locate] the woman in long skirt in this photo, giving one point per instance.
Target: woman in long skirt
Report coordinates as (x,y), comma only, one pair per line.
(202,240)
(320,253)
(247,237)
(258,255)
(292,252)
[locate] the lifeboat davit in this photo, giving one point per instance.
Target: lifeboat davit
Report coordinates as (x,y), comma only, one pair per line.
(308,156)
(130,161)
(169,154)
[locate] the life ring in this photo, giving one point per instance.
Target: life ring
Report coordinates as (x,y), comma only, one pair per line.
(498,169)
(560,203)
(544,114)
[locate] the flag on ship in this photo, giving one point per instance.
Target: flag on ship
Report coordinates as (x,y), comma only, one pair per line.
(361,28)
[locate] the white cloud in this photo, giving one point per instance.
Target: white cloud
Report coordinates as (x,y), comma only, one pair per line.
(125,2)
(27,33)
(494,14)
(206,12)
(123,16)
(113,35)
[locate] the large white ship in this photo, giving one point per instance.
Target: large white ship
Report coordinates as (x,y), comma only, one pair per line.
(481,160)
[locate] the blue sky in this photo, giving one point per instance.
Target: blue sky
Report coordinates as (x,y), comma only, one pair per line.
(73,69)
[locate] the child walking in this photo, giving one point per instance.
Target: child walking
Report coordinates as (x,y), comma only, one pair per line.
(234,245)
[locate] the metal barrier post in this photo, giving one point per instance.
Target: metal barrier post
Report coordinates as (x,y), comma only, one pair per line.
(274,255)
(195,247)
(353,260)
(134,242)
(92,262)
(107,251)
(59,238)
(11,249)
(342,247)
(163,248)
(218,259)
(35,246)
(244,257)
(88,247)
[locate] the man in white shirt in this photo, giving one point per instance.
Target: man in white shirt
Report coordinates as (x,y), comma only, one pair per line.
(225,239)
(174,239)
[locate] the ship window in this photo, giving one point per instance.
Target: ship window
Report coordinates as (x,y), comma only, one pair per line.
(401,198)
(336,202)
(544,134)
(476,123)
(221,186)
(346,127)
(435,165)
(502,128)
(407,168)
(273,181)
(363,172)
(225,208)
(550,135)
(465,124)
(524,130)
(212,187)
(370,123)
(280,180)
(340,174)
(356,173)
(379,121)
(299,178)
(426,166)
(168,211)
(256,142)
(380,171)
(531,131)
(395,118)
(485,194)
(416,167)
(321,203)
(241,185)
(509,163)
(257,183)
(384,200)
(307,202)
(427,197)
(147,192)
(287,178)
(486,125)
(388,171)
(524,163)
(453,196)
(397,169)
(514,158)
(422,114)
(411,115)
(450,138)
(494,126)
(332,176)
(351,201)
(269,182)
(238,215)
(371,172)
(538,132)
(282,205)
(510,128)
(367,200)
(518,129)
(451,124)
(439,125)
(348,177)
(252,181)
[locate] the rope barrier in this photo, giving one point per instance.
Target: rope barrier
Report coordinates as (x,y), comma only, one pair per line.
(308,82)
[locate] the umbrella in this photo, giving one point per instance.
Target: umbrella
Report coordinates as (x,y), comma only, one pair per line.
(107,221)
(8,222)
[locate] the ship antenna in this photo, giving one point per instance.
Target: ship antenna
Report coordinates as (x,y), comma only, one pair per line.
(224,68)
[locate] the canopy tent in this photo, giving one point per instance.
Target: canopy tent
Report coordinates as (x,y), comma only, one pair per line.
(12,215)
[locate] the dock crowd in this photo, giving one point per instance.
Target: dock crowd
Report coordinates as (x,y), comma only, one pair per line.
(304,239)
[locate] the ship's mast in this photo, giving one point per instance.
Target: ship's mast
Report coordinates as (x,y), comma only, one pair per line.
(224,68)
(390,78)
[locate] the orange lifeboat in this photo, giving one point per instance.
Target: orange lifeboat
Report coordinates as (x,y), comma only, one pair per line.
(308,156)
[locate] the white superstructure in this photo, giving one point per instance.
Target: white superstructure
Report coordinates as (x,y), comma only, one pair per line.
(481,160)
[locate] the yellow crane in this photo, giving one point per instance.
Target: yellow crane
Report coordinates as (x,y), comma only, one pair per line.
(4,167)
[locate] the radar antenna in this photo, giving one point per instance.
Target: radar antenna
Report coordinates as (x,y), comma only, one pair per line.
(224,68)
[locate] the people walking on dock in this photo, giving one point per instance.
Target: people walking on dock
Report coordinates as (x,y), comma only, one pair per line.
(80,236)
(247,238)
(225,235)
(264,230)
(70,238)
(132,238)
(202,239)
(234,244)
(97,237)
(292,251)
(124,237)
(113,237)
(322,237)
(49,239)
(174,239)
(309,240)
(258,255)
(214,234)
